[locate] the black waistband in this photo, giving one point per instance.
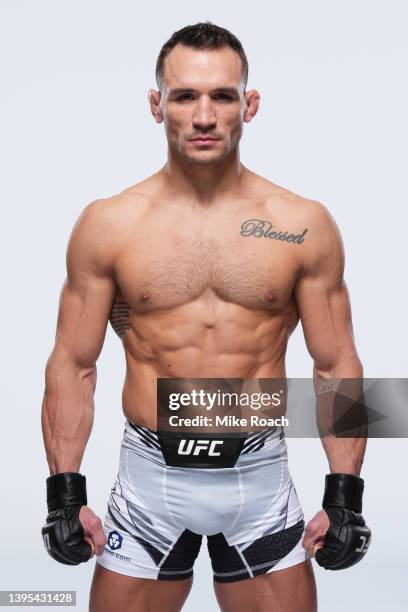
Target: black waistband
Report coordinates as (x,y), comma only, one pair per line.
(203,450)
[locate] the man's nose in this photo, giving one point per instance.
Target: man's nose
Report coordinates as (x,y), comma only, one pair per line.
(204,115)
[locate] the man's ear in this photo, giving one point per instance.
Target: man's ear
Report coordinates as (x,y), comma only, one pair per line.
(252,98)
(154,96)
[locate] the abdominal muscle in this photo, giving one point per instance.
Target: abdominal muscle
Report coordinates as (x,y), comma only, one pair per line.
(190,342)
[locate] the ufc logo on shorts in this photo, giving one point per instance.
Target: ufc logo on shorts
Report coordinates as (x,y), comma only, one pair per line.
(364,546)
(194,447)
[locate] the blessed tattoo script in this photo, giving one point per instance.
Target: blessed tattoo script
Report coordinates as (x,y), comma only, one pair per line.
(263,229)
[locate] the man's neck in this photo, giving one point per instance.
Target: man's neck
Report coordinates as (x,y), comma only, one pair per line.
(203,183)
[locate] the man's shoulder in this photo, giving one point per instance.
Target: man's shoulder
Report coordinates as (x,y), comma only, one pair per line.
(278,195)
(116,209)
(294,204)
(324,246)
(131,197)
(104,224)
(323,236)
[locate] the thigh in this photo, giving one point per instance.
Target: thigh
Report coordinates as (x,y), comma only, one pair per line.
(114,592)
(287,590)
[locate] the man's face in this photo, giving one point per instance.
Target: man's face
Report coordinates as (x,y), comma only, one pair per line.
(202,102)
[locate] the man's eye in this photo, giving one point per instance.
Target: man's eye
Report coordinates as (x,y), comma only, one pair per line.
(222,96)
(189,96)
(185,97)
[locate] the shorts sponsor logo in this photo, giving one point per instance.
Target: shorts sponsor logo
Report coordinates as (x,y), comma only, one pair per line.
(115,540)
(117,555)
(195,447)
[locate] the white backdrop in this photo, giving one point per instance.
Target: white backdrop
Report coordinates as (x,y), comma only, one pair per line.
(75,126)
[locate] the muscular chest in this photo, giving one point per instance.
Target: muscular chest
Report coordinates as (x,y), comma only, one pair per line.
(164,265)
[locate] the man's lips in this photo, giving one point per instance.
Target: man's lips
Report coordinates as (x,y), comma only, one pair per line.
(204,138)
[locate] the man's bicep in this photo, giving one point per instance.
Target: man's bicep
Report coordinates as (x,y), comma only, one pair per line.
(323,301)
(325,315)
(86,296)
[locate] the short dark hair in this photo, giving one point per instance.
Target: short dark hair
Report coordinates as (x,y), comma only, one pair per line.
(204,35)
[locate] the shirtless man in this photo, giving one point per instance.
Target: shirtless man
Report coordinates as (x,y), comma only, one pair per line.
(204,270)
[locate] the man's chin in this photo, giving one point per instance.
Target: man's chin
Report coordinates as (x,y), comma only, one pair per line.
(204,160)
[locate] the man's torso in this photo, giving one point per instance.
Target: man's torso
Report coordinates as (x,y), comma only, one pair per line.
(204,291)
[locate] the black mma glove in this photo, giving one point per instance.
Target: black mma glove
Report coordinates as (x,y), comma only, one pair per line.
(348,537)
(63,534)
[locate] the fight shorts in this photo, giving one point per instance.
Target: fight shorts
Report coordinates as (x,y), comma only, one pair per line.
(158,513)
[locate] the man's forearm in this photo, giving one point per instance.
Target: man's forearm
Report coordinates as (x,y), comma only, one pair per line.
(345,455)
(339,412)
(67,415)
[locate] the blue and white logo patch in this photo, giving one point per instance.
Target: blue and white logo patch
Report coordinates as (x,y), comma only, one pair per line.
(115,540)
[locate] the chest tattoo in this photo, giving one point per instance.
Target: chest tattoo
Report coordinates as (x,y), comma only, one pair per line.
(259,228)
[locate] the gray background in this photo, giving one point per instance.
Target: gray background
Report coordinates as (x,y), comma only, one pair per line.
(75,126)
